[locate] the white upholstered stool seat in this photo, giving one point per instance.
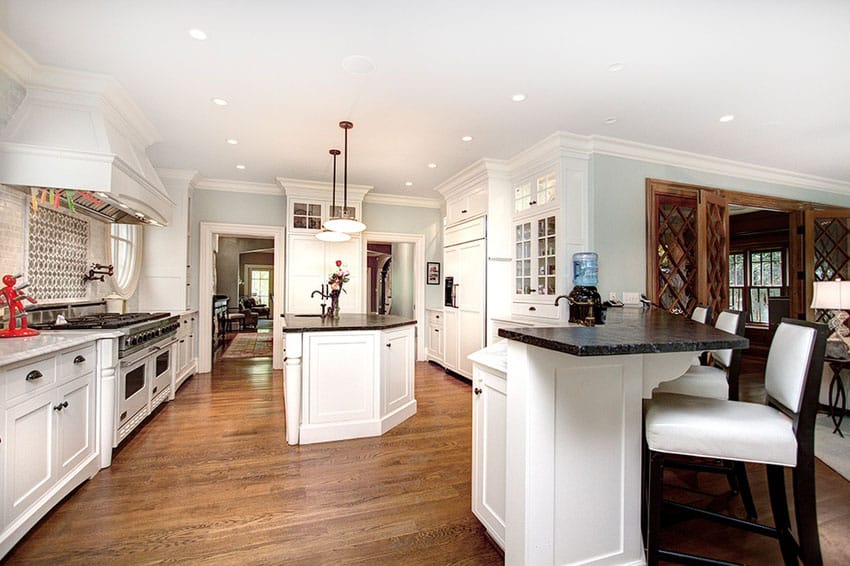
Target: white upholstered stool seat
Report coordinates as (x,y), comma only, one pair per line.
(711,428)
(700,381)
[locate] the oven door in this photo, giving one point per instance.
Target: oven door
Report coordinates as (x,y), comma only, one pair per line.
(163,372)
(134,377)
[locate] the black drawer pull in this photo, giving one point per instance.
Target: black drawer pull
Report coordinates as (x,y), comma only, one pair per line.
(464,211)
(155,389)
(389,345)
(79,359)
(477,390)
(33,375)
(60,406)
(532,309)
(436,330)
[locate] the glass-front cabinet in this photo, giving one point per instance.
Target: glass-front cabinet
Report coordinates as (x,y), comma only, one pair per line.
(535,256)
(537,191)
(306,216)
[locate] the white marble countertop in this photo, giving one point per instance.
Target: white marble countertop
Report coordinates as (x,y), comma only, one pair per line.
(13,350)
(494,357)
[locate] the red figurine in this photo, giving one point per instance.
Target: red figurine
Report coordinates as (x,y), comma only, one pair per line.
(10,294)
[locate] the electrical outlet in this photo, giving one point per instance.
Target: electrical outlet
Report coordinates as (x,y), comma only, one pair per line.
(612,296)
(631,298)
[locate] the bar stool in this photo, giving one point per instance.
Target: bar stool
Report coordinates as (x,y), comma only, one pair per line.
(779,434)
(701,314)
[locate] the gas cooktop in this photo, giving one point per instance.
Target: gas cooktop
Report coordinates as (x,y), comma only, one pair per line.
(102,320)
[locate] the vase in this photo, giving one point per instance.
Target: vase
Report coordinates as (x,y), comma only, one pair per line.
(334,309)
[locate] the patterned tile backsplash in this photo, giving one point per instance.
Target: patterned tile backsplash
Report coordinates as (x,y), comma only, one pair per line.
(58,253)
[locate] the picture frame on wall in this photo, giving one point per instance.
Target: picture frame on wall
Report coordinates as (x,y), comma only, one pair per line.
(433,273)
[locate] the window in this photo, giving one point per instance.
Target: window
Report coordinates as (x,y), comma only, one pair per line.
(260,285)
(754,276)
(126,250)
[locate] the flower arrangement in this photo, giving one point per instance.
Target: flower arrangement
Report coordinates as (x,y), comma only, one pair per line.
(335,282)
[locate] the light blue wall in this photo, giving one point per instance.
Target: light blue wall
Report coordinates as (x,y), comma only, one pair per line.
(411,220)
(618,195)
(270,210)
(229,208)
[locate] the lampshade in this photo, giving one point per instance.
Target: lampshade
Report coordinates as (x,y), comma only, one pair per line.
(831,295)
(345,224)
(331,236)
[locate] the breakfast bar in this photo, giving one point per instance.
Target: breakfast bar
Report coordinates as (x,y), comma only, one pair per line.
(348,377)
(574,400)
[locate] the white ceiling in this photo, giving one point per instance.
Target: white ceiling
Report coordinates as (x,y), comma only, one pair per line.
(445,69)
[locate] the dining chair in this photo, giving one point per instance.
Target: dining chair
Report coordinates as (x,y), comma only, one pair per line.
(778,434)
(717,381)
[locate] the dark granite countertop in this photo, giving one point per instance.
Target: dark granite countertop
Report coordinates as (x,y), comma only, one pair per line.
(296,323)
(629,331)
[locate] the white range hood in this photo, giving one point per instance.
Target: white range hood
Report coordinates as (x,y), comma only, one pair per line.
(82,132)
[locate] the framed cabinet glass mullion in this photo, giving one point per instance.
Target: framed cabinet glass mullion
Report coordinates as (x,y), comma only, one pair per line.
(536,257)
(306,216)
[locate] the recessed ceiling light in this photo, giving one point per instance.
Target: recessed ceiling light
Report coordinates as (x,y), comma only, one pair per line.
(466,138)
(358,65)
(432,166)
(610,121)
(232,141)
(240,167)
(519,97)
(616,67)
(198,34)
(219,102)
(408,183)
(727,118)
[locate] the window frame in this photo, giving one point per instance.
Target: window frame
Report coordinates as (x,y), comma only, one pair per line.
(747,287)
(125,277)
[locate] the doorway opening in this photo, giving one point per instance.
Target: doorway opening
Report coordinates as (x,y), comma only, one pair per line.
(395,272)
(252,275)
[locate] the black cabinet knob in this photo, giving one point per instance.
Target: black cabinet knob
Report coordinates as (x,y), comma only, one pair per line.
(477,390)
(61,406)
(464,211)
(389,345)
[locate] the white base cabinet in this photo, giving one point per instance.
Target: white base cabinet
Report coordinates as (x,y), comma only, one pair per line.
(348,383)
(47,436)
(489,411)
(436,331)
(187,360)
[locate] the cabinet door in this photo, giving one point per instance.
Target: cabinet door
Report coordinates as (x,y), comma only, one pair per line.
(489,410)
(536,268)
(307,271)
(75,423)
(471,298)
(29,466)
(396,369)
(343,374)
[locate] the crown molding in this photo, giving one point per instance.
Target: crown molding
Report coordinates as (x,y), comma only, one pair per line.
(466,179)
(673,157)
(227,185)
(403,200)
(15,61)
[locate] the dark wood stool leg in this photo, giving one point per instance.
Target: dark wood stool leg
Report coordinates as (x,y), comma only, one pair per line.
(739,470)
(805,510)
(779,506)
(655,501)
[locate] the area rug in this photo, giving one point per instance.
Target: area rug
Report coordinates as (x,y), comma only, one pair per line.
(831,449)
(249,345)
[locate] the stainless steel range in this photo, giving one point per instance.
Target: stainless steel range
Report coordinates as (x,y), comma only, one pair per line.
(145,360)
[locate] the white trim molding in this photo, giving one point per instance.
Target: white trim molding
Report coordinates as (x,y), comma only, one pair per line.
(209,232)
(403,200)
(237,186)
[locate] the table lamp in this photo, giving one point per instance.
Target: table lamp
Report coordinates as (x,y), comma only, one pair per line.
(834,296)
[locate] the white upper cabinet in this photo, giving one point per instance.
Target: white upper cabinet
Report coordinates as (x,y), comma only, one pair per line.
(466,206)
(536,192)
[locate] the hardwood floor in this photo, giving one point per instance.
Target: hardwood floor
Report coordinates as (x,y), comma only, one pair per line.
(210,479)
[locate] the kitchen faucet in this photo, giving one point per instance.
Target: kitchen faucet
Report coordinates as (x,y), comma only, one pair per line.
(324,293)
(559,297)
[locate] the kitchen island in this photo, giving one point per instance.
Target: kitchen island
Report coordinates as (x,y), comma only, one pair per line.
(350,377)
(573,431)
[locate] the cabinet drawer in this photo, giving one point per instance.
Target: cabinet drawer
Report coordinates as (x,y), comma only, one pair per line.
(41,374)
(535,310)
(435,319)
(75,363)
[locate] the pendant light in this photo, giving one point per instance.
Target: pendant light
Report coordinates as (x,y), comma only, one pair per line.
(344,222)
(330,235)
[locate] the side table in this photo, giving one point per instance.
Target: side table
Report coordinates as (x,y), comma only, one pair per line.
(837,393)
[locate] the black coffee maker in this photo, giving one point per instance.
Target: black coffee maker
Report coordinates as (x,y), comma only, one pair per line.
(585,302)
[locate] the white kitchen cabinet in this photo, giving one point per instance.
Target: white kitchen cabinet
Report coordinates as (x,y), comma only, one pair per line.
(47,429)
(435,334)
(464,323)
(536,192)
(185,350)
(309,262)
(489,411)
(536,258)
(467,205)
(397,368)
